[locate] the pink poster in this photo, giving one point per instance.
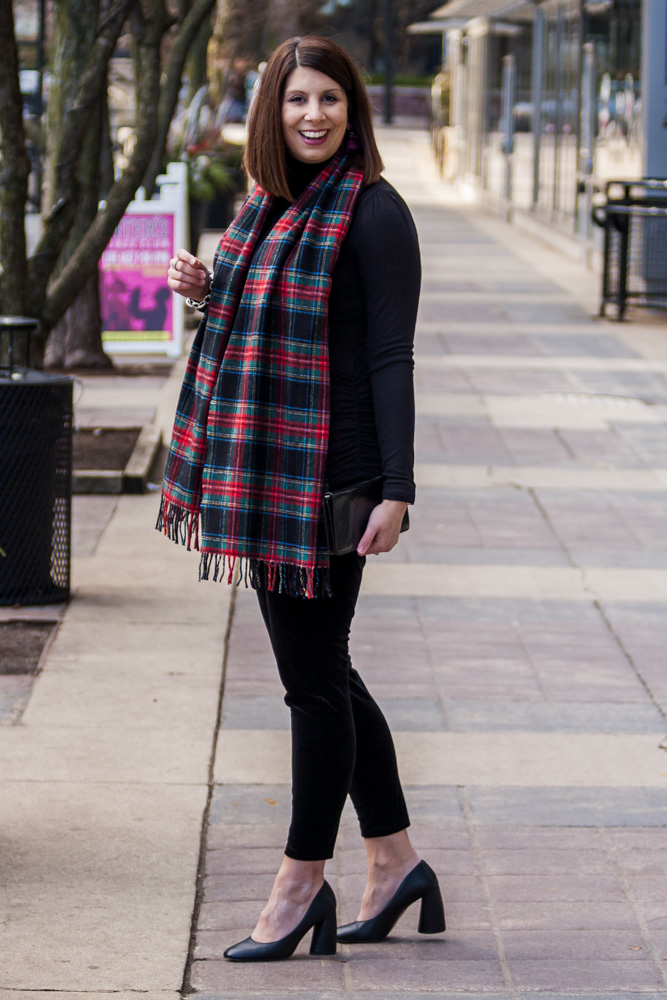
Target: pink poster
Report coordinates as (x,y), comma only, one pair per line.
(136,301)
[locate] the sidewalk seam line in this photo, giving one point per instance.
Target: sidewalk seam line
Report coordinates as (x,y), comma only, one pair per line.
(598,607)
(481,874)
(636,909)
(186,986)
(619,642)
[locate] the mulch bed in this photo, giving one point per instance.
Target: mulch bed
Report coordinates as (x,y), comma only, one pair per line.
(21,645)
(106,448)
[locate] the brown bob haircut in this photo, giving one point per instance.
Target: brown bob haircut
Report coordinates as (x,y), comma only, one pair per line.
(265,158)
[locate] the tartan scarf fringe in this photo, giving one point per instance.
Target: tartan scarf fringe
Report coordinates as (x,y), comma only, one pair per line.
(178,524)
(282,578)
(182,526)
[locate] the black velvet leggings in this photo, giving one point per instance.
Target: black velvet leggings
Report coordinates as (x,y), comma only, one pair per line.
(340,739)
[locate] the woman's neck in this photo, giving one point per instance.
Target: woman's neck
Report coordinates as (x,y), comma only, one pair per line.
(300,174)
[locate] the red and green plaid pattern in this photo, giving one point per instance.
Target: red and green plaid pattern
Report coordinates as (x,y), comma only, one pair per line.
(244,477)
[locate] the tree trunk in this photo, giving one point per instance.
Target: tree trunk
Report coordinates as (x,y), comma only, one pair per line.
(83,320)
(197,19)
(67,143)
(37,287)
(196,69)
(241,27)
(14,171)
(372,36)
(148,33)
(76,341)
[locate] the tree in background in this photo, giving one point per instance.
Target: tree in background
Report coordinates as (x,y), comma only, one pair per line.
(359,26)
(75,231)
(75,339)
(253,28)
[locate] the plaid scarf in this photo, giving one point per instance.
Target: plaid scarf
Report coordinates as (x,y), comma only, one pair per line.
(248,451)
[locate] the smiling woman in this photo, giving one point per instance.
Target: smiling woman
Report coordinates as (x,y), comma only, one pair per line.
(333,84)
(314,114)
(300,383)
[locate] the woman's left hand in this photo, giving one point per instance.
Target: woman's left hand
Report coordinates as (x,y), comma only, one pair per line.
(383,529)
(188,275)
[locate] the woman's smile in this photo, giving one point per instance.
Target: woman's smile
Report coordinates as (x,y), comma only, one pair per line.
(313,138)
(314,115)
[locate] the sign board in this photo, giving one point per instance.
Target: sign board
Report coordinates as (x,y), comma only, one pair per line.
(140,315)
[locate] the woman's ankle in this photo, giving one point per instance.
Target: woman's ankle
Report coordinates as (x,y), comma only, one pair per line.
(390,854)
(299,880)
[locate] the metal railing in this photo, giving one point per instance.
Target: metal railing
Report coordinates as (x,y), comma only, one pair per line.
(634,220)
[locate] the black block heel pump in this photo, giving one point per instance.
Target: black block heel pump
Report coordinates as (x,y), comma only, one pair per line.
(323,941)
(419,884)
(431,913)
(320,915)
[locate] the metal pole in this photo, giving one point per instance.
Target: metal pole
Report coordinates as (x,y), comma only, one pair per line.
(537,88)
(587,143)
(388,63)
(559,87)
(587,111)
(507,122)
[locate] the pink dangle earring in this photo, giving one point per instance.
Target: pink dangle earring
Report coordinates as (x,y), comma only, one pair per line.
(352,145)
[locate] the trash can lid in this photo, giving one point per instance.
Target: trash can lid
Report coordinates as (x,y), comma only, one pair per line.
(18,321)
(20,377)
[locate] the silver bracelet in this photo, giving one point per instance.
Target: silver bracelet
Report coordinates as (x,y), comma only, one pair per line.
(199,305)
(202,303)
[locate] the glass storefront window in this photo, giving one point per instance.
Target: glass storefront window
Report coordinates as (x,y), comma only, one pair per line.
(613,26)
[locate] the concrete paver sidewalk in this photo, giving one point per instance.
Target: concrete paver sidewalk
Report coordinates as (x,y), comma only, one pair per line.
(515,640)
(104,780)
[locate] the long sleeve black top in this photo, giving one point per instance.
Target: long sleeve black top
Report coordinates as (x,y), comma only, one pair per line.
(372,314)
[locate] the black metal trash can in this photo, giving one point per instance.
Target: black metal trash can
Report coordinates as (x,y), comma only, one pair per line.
(35,484)
(634,219)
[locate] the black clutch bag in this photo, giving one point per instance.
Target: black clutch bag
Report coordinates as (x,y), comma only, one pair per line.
(346,514)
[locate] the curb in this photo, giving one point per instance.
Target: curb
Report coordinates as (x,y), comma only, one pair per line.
(132,479)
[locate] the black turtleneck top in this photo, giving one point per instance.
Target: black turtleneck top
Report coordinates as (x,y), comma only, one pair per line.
(372,315)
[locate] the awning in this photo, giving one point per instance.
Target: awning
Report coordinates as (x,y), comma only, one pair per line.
(483,8)
(512,10)
(436,26)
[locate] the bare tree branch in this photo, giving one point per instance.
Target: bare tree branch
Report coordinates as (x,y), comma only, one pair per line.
(58,223)
(148,28)
(148,32)
(172,78)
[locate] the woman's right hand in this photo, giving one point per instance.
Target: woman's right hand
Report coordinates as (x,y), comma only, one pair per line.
(188,276)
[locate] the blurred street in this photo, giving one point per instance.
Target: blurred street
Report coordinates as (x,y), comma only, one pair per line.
(516,640)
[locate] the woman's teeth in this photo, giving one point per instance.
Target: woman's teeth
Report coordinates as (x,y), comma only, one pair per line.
(314,135)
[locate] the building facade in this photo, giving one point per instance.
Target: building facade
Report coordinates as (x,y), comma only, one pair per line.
(545,100)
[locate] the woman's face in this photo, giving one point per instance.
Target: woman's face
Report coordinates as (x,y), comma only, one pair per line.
(314,115)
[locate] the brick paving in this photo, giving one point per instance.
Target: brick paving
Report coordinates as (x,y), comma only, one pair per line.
(553,887)
(99,401)
(90,517)
(549,891)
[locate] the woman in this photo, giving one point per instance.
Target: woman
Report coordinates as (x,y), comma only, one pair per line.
(301,376)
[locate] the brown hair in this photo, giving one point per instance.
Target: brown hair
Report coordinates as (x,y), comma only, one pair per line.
(265,158)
